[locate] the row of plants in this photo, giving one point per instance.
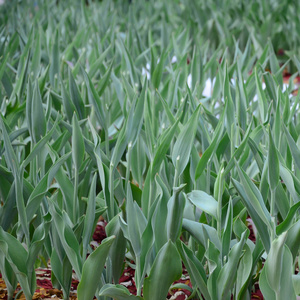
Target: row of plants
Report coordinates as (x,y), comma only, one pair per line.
(103,113)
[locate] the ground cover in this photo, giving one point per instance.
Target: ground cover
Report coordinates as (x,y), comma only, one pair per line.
(149,150)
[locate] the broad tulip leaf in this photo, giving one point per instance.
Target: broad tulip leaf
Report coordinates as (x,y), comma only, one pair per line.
(118,248)
(38,119)
(175,211)
(262,228)
(157,284)
(243,272)
(201,232)
(293,147)
(276,277)
(17,256)
(293,237)
(195,269)
(227,274)
(205,202)
(92,270)
(117,292)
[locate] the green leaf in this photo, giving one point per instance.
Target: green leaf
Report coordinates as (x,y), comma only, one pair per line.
(262,100)
(76,97)
(123,138)
(92,270)
(226,237)
(3,64)
(89,217)
(69,107)
(195,269)
(94,100)
(205,202)
(289,182)
(163,148)
(296,283)
(273,163)
(288,220)
(36,59)
(67,238)
(136,223)
(8,275)
(175,211)
(238,152)
(182,148)
(10,156)
(253,206)
(38,120)
(227,275)
(157,284)
(54,66)
(254,195)
(276,276)
(17,257)
(202,233)
(117,292)
(211,148)
(293,147)
(39,146)
(62,270)
(293,238)
(243,273)
(37,242)
(157,73)
(105,80)
(117,250)
(78,148)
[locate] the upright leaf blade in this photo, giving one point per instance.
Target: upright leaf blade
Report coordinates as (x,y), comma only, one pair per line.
(183,146)
(158,282)
(92,270)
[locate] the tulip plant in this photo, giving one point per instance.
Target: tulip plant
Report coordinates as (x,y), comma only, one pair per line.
(170,119)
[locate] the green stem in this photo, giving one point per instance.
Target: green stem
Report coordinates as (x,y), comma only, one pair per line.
(220,193)
(150,199)
(75,197)
(138,277)
(111,193)
(106,143)
(175,183)
(208,179)
(272,202)
(128,166)
(273,229)
(140,174)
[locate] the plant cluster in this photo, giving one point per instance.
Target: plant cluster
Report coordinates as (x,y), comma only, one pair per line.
(170,119)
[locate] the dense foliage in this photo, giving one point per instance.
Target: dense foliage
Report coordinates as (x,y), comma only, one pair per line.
(173,121)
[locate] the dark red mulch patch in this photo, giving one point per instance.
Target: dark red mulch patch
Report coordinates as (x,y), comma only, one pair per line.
(181,294)
(252,236)
(257,295)
(99,233)
(127,279)
(43,278)
(74,283)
